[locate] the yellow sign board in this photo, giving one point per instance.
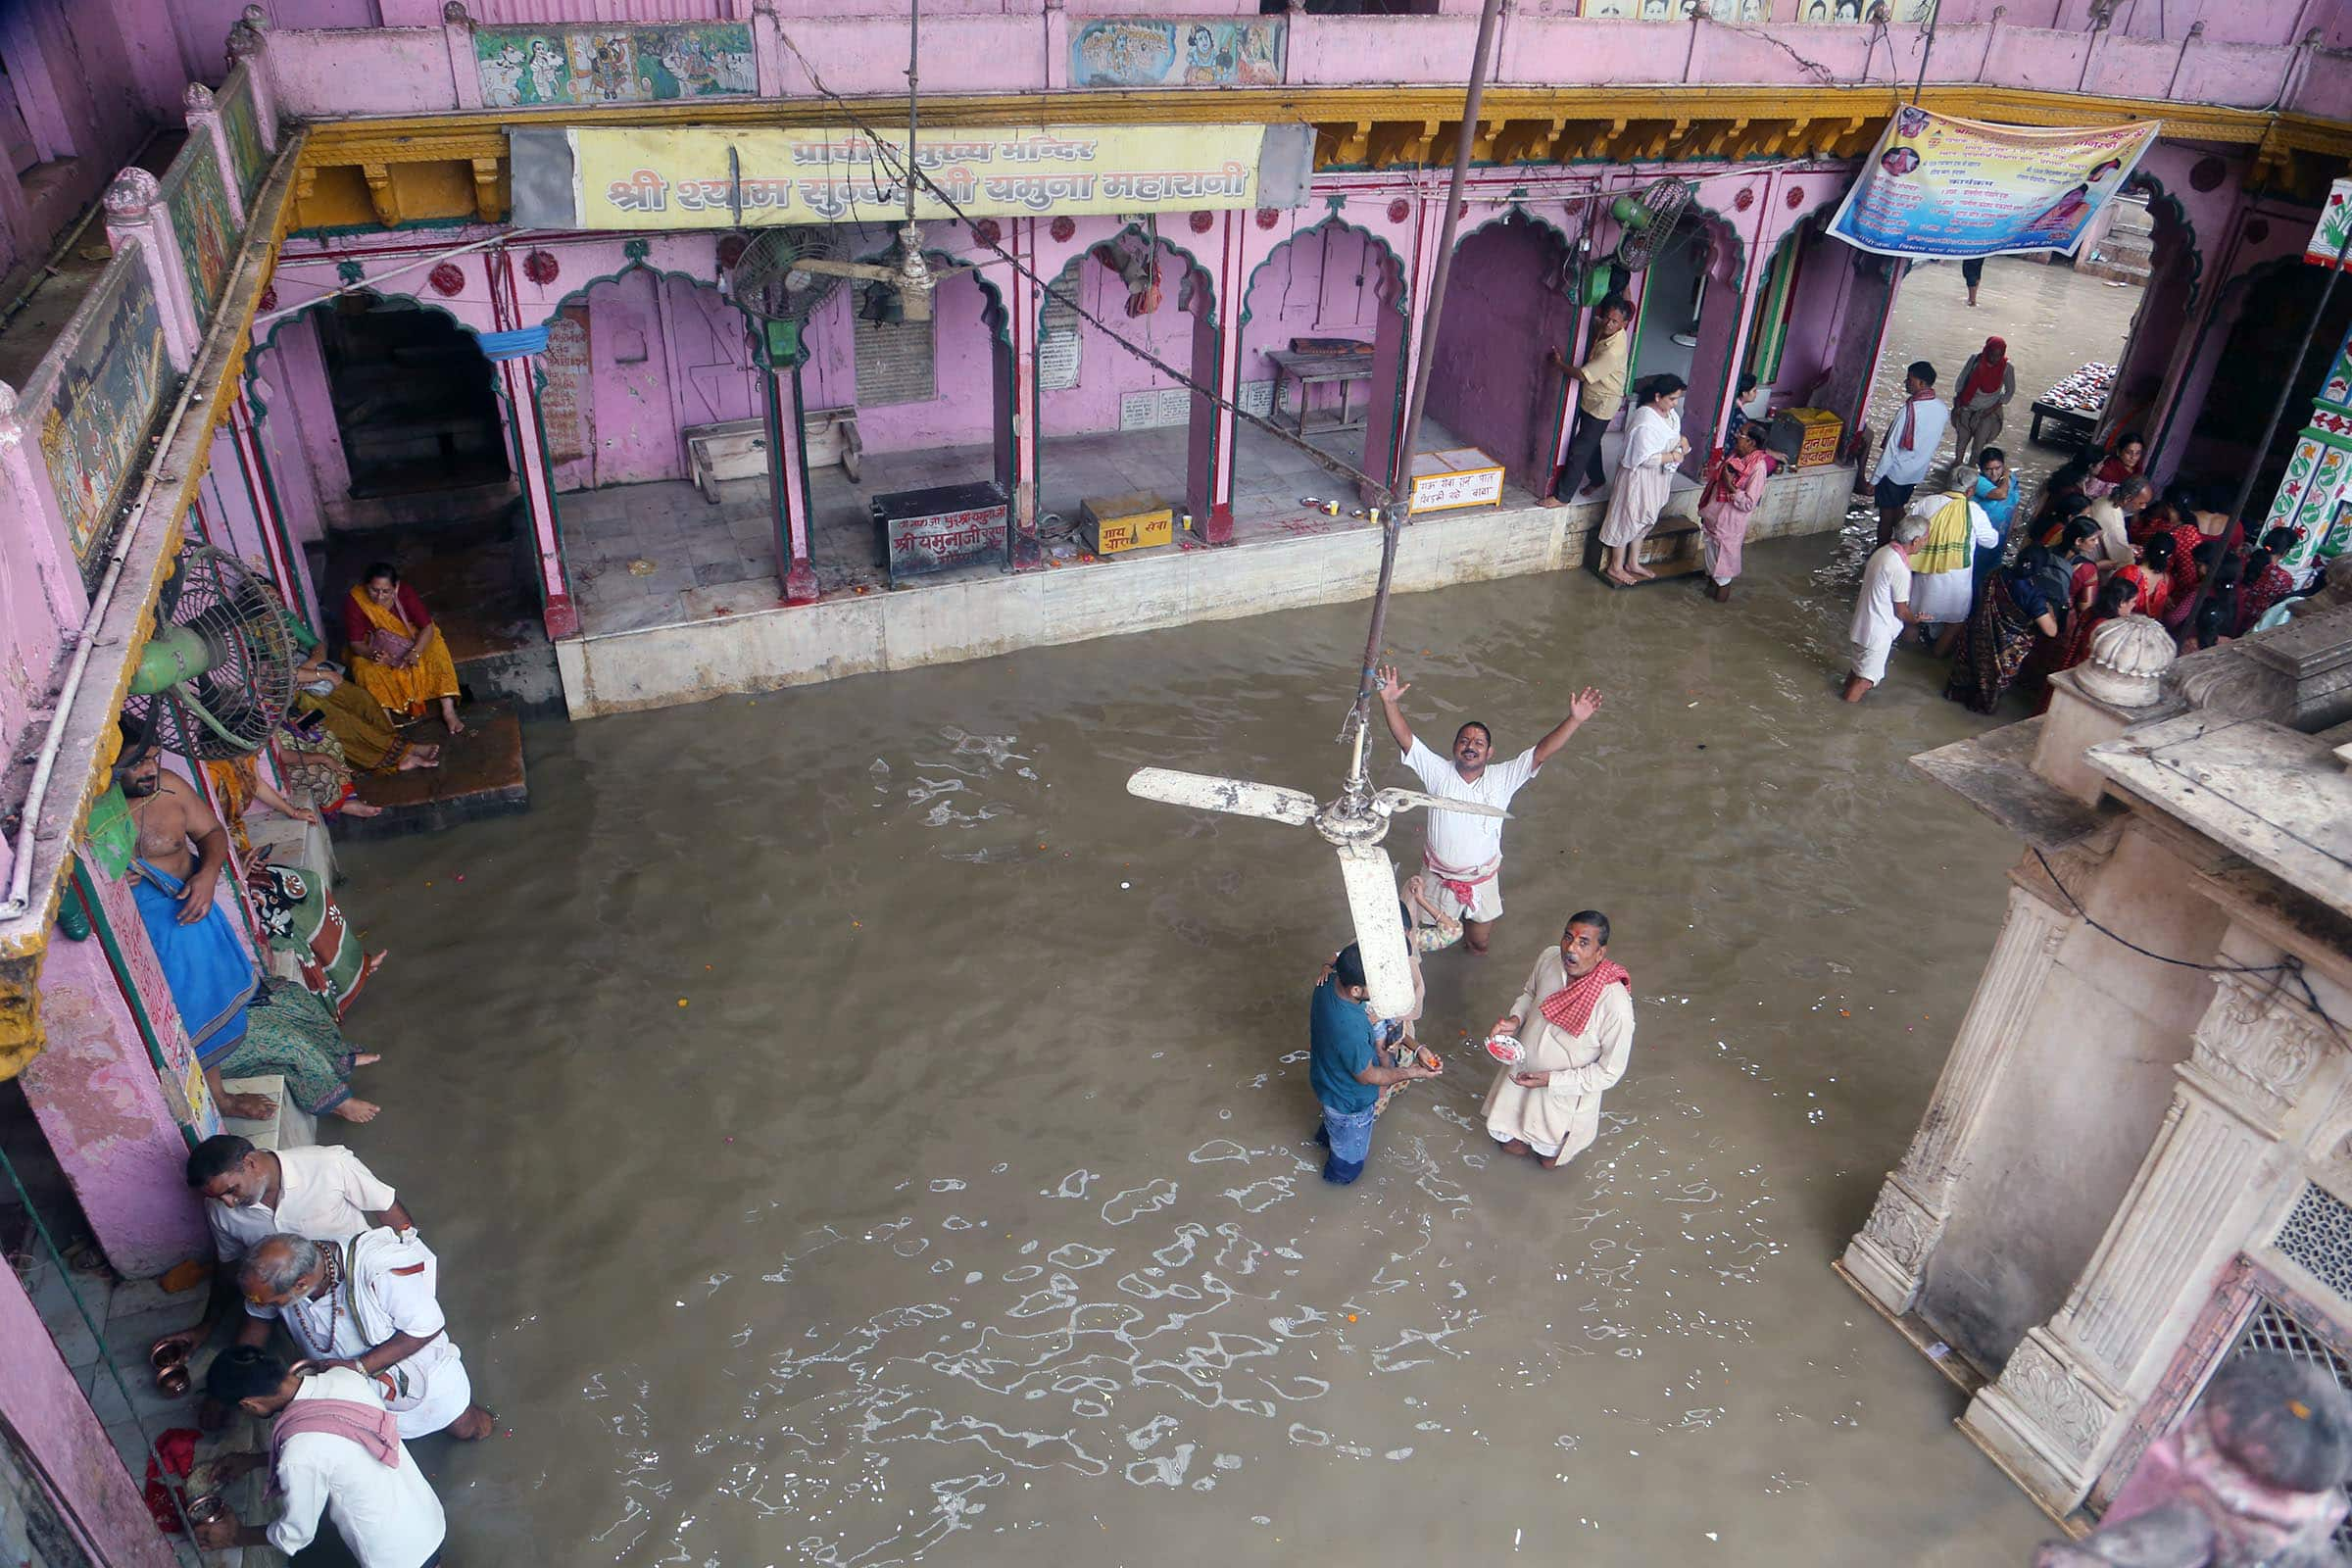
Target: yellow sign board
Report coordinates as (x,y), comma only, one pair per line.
(651,178)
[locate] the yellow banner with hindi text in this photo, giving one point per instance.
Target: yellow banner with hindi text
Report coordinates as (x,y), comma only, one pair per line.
(645,177)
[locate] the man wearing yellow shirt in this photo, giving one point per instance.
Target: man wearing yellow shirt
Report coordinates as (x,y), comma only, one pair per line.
(1600,391)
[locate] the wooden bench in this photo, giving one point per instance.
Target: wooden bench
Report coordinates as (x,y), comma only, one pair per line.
(737,449)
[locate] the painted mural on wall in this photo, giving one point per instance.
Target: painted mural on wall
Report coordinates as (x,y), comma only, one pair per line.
(243,124)
(201,222)
(1854,11)
(109,388)
(1177,52)
(520,66)
(1677,10)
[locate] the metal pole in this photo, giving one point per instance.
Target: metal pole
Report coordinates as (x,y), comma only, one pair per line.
(2262,447)
(914,33)
(1393,516)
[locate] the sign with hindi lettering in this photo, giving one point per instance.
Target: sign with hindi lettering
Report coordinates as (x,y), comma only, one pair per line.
(647,177)
(1938,187)
(945,525)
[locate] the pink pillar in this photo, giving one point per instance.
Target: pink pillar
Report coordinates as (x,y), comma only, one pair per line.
(1021,301)
(26,494)
(519,377)
(1217,363)
(1393,351)
(41,1400)
(788,482)
(254,468)
(204,124)
(113,1120)
(137,222)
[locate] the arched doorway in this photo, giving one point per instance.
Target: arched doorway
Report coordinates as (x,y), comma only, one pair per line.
(1336,287)
(2278,302)
(1687,316)
(413,399)
(1489,383)
(1116,423)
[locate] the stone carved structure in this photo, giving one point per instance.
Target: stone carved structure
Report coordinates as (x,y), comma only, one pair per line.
(2112,1134)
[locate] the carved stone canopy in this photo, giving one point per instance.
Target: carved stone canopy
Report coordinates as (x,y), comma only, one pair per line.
(2129,657)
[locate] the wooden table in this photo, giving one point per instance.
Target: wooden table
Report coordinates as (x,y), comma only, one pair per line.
(1320,370)
(2073,424)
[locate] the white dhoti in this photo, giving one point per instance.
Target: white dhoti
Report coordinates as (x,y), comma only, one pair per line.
(1561,1119)
(1474,894)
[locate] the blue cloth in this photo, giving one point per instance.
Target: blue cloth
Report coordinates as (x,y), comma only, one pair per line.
(2000,512)
(210,975)
(1341,1035)
(514,345)
(1348,1134)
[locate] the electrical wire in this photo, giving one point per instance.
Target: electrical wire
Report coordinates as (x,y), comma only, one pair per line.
(2290,966)
(889,156)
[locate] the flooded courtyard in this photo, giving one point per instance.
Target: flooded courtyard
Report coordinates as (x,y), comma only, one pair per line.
(856,1132)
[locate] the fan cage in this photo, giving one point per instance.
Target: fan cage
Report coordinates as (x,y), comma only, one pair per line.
(248,683)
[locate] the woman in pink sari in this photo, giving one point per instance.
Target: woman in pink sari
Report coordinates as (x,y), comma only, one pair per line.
(1734,490)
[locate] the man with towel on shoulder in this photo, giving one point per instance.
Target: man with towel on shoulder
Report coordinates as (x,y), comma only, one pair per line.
(333,1450)
(1574,1020)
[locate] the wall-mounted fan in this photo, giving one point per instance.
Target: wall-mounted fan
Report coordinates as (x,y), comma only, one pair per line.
(217,676)
(1647,222)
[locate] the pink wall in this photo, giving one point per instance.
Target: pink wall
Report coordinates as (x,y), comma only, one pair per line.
(975,46)
(100,1101)
(46,1405)
(92,82)
(1320,282)
(962,414)
(1105,370)
(1489,382)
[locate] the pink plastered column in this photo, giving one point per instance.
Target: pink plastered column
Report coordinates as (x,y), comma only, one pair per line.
(42,1400)
(137,222)
(788,482)
(1023,300)
(1394,347)
(277,545)
(518,379)
(111,1117)
(1217,365)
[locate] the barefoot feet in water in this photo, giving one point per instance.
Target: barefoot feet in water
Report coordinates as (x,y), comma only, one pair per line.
(360,809)
(1517,1145)
(474,1425)
(357,1110)
(367,1058)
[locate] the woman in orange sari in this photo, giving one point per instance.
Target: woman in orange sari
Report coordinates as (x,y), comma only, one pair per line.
(398,655)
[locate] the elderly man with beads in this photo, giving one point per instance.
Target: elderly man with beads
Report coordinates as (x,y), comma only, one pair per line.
(367,1304)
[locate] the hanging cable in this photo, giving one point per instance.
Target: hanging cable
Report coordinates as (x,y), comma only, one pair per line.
(2289,967)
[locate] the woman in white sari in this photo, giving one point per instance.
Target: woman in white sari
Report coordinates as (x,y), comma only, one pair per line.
(1653,445)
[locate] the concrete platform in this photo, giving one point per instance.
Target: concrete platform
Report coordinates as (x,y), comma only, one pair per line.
(481,774)
(753,644)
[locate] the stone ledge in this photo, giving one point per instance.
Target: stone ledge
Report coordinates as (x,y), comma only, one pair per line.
(1995,773)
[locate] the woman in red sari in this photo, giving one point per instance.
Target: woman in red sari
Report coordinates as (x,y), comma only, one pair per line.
(1733,489)
(2156,575)
(2120,596)
(2265,581)
(2122,462)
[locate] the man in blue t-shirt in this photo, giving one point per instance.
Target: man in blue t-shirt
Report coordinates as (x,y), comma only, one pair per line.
(1346,1069)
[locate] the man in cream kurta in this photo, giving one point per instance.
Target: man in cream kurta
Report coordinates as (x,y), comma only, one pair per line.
(1549,1103)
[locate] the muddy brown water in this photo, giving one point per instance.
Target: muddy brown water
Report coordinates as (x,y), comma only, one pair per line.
(856,1131)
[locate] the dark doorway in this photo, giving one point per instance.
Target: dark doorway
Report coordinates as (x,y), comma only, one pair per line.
(412,398)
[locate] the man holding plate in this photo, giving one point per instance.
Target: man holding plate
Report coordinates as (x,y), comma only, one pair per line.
(1565,1039)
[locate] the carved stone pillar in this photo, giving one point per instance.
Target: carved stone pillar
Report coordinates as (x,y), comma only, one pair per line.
(1889,1259)
(2070,1390)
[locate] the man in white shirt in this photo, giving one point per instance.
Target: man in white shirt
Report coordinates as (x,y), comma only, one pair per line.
(2113,513)
(1884,609)
(332,1451)
(1464,852)
(321,1191)
(1909,451)
(369,1304)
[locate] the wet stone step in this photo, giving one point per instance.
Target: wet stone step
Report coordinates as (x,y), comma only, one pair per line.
(481,774)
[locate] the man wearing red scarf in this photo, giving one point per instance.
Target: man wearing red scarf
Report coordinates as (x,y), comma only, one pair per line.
(1912,438)
(1574,1021)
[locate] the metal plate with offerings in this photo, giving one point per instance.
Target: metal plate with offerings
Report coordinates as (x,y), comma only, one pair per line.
(2075,403)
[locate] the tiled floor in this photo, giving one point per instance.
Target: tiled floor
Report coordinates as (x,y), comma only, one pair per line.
(655,555)
(124,1397)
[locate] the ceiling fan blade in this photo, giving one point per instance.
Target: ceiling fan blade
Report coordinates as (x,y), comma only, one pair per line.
(1207,792)
(1394,800)
(1379,926)
(812,263)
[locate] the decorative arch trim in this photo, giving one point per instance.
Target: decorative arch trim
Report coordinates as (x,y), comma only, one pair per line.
(1402,304)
